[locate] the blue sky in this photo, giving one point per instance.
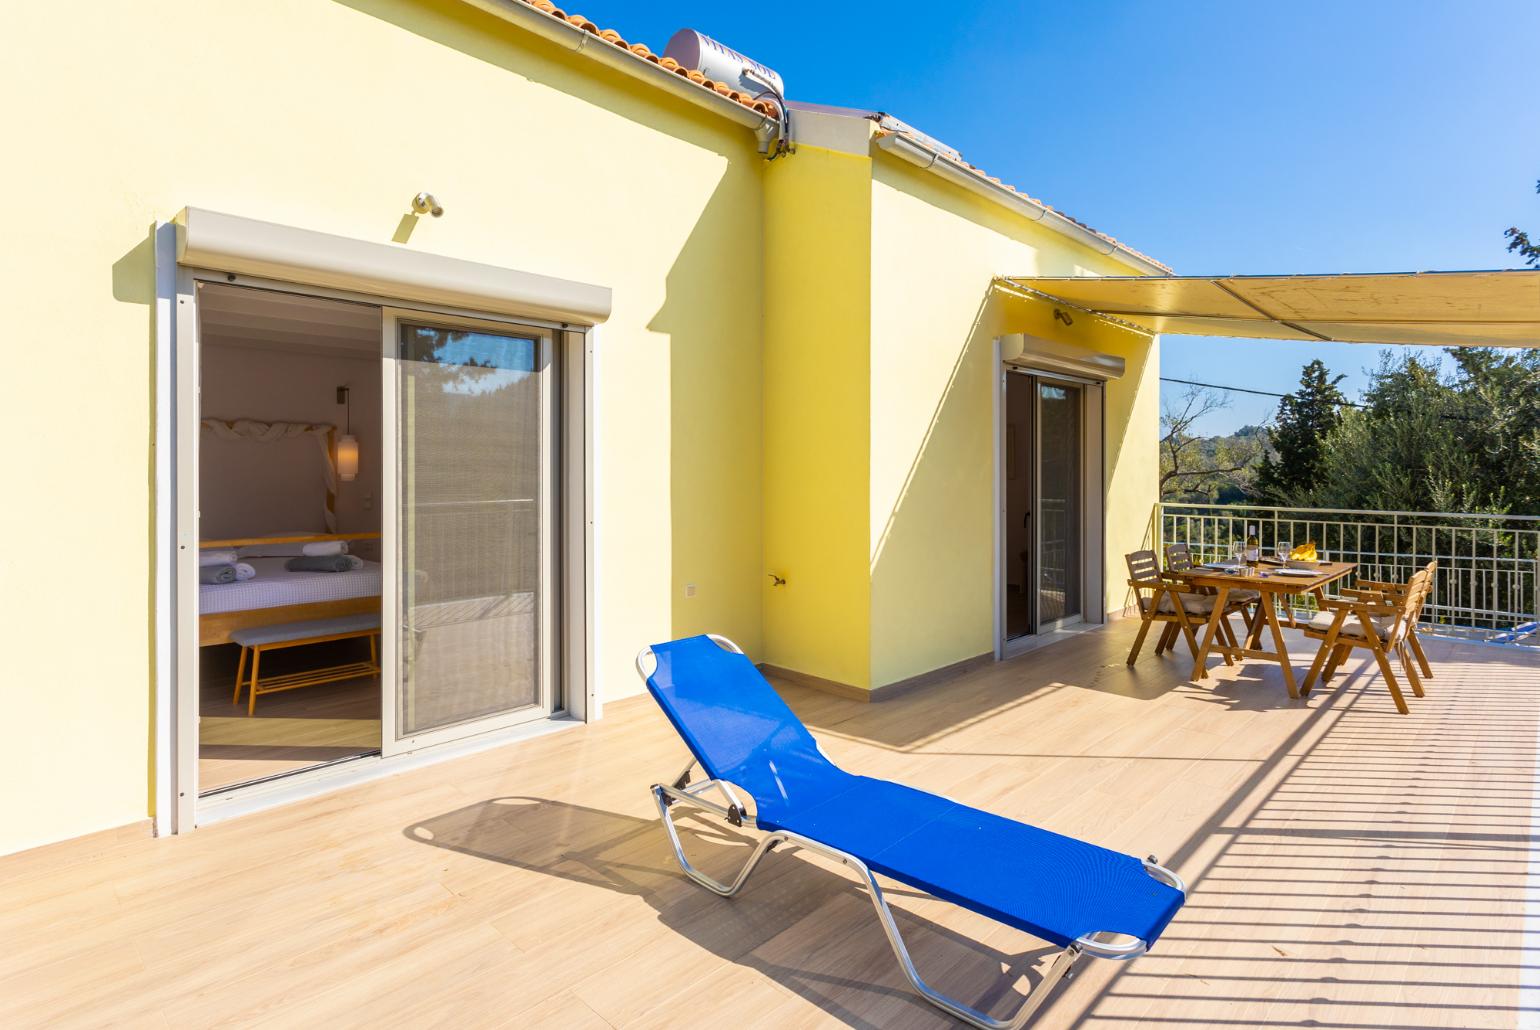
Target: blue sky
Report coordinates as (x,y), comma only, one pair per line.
(1223,138)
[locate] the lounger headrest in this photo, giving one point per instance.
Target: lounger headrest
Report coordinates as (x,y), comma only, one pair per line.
(731,718)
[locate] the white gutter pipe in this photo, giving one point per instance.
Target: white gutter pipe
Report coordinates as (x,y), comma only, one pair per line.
(579,41)
(924,157)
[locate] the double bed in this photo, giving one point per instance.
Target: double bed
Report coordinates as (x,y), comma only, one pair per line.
(276,595)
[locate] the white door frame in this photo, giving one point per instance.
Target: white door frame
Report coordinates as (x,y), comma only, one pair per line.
(177,424)
(1093,479)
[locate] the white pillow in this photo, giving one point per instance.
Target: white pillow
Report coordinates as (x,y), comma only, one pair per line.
(295,550)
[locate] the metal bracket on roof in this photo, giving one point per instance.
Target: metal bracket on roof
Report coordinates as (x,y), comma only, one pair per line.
(1007,283)
(774,137)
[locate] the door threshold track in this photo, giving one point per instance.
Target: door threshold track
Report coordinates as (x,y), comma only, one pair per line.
(282,790)
(247,784)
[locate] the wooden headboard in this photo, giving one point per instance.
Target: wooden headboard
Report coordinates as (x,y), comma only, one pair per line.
(307,538)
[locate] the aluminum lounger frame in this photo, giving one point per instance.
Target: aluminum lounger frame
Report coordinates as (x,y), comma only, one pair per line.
(681,790)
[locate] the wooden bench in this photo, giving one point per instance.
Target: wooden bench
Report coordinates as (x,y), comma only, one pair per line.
(257,639)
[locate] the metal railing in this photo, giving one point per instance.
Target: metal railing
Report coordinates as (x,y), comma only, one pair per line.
(1488,582)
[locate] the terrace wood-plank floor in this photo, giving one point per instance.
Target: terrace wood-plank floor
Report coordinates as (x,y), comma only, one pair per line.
(1349,867)
(292,730)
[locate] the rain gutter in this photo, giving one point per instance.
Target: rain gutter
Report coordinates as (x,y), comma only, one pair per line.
(579,41)
(977,182)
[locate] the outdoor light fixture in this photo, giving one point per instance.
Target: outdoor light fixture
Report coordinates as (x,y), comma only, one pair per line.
(347,443)
(425,204)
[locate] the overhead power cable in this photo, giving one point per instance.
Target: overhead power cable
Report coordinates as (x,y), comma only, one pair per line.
(1240,389)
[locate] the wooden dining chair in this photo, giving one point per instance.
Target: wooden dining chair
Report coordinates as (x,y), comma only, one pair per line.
(1382,622)
(1167,600)
(1395,592)
(1246,603)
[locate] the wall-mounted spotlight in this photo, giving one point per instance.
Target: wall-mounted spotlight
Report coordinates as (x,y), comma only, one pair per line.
(425,204)
(1063,316)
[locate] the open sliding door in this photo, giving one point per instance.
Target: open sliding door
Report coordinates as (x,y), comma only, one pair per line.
(1049,514)
(469,528)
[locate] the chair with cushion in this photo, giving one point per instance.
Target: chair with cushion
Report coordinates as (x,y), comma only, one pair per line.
(1083,898)
(1381,621)
(1395,591)
(1169,600)
(1179,559)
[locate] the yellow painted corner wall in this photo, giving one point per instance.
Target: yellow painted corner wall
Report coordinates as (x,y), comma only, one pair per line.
(817,328)
(935,252)
(331,116)
(1133,461)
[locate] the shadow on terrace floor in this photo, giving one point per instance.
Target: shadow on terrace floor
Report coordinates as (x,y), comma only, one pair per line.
(1087,668)
(1350,867)
(801,923)
(1371,873)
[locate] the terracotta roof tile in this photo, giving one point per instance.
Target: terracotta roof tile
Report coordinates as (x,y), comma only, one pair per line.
(765,107)
(610,36)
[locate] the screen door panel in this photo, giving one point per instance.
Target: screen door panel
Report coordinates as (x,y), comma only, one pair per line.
(471,462)
(1060,511)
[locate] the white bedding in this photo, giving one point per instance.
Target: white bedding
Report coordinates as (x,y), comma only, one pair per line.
(275,586)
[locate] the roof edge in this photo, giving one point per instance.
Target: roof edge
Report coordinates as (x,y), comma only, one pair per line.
(581,36)
(938,162)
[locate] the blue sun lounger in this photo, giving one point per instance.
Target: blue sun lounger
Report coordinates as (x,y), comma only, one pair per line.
(1083,898)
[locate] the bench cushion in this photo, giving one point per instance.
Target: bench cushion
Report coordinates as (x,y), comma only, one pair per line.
(286,632)
(1352,626)
(1196,604)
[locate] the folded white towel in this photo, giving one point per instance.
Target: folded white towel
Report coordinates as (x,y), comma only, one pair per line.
(355,562)
(244,572)
(217,556)
(315,549)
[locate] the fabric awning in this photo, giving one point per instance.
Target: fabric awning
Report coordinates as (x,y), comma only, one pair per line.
(1496,309)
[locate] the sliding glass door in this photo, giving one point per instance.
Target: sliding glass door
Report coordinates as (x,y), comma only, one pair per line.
(1050,504)
(470,528)
(1059,508)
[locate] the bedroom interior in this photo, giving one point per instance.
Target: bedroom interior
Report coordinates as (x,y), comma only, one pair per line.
(339,440)
(290,500)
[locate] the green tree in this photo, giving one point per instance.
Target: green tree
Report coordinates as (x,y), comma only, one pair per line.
(1426,441)
(1519,242)
(1397,452)
(1291,474)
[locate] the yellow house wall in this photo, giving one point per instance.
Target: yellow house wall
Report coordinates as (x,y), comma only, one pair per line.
(816,397)
(795,377)
(331,116)
(935,250)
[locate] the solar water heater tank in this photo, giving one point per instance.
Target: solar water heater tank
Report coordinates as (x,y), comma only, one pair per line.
(699,52)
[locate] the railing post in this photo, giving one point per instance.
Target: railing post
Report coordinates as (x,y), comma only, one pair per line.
(1395,545)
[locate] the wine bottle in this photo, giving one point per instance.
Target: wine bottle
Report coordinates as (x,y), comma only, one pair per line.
(1253,545)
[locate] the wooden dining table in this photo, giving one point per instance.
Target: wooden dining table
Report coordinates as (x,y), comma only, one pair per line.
(1268,581)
